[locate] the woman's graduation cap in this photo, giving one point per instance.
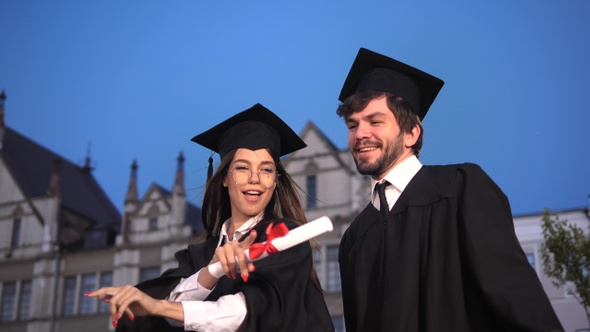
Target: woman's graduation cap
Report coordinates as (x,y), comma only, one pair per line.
(372,71)
(255,128)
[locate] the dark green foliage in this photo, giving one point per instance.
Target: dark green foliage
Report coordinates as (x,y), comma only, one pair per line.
(566,257)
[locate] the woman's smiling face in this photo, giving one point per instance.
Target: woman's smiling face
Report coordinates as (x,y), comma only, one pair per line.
(248,194)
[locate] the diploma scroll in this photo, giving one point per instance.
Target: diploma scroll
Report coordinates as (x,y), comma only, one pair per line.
(294,237)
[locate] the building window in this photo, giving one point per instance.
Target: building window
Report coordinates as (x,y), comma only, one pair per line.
(106,280)
(531,258)
(152,215)
(8,301)
(87,304)
(74,301)
(95,239)
(332,269)
(148,273)
(69,296)
(338,322)
(153,223)
(319,268)
(24,303)
(312,192)
(15,295)
(15,233)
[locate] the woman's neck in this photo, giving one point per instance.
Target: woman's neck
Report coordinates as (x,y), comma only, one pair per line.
(234,225)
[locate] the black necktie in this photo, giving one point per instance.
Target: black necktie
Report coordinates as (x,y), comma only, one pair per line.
(383,206)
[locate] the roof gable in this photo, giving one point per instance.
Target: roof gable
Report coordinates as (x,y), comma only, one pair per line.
(157,193)
(318,144)
(311,131)
(31,166)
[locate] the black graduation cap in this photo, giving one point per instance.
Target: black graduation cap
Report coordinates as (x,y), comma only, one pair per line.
(255,128)
(372,71)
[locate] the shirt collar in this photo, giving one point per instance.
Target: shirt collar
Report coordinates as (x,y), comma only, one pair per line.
(223,237)
(401,174)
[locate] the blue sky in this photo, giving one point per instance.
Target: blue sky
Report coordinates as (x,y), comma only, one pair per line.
(137,79)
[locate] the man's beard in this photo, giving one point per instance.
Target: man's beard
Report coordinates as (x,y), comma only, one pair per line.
(388,158)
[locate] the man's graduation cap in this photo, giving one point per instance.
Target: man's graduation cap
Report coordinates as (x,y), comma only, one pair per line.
(255,128)
(375,72)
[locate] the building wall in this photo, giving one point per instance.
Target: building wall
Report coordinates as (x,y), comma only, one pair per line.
(339,192)
(42,288)
(529,232)
(13,205)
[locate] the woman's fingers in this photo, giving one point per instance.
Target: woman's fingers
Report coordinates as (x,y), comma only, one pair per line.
(104,293)
(109,295)
(116,301)
(249,240)
(245,264)
(227,259)
(136,303)
(115,296)
(242,263)
(232,258)
(125,300)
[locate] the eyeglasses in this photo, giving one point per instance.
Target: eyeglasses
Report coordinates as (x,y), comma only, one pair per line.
(241,175)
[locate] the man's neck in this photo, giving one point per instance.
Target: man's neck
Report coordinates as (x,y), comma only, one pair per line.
(395,164)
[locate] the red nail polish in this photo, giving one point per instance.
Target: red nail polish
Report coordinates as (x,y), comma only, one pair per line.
(131,318)
(87,293)
(114,323)
(233,276)
(245,276)
(118,316)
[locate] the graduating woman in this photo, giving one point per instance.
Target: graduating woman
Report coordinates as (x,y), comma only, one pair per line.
(247,200)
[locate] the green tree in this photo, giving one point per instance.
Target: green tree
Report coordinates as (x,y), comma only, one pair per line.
(566,257)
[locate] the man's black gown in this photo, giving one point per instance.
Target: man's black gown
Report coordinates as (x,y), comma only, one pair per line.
(446,258)
(279,293)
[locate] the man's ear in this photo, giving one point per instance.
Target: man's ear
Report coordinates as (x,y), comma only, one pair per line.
(412,137)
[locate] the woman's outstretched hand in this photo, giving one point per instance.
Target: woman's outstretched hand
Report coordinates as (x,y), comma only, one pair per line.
(232,258)
(131,301)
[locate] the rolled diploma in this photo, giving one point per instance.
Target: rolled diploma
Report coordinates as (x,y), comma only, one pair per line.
(295,236)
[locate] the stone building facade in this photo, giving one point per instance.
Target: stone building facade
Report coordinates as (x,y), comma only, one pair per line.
(61,236)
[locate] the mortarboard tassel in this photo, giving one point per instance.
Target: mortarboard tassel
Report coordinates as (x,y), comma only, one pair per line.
(210,169)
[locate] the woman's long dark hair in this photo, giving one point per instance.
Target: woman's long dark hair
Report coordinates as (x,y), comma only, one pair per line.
(284,203)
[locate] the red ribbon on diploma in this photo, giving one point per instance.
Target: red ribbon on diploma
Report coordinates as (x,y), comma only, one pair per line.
(272,232)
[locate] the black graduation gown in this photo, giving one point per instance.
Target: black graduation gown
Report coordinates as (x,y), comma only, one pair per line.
(445,259)
(279,293)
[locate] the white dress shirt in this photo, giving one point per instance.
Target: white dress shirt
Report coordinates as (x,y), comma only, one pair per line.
(398,177)
(225,314)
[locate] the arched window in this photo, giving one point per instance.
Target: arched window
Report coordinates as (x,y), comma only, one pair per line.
(153,218)
(311,184)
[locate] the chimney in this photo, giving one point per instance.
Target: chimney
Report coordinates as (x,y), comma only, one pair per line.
(131,200)
(53,190)
(87,161)
(178,188)
(51,211)
(131,196)
(178,213)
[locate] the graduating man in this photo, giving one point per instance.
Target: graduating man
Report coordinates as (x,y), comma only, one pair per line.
(435,250)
